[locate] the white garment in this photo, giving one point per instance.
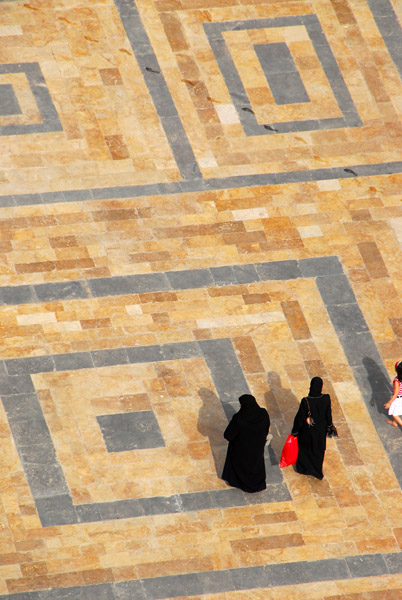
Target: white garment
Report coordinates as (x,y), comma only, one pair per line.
(396,407)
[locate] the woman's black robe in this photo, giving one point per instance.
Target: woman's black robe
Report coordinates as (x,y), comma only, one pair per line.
(247,434)
(312,440)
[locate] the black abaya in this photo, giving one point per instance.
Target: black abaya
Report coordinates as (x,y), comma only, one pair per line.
(312,439)
(247,434)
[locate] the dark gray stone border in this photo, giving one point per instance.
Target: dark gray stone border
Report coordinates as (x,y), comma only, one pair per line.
(9,105)
(214,582)
(50,489)
(42,468)
(30,431)
(158,89)
(389,27)
(202,185)
(214,32)
(47,110)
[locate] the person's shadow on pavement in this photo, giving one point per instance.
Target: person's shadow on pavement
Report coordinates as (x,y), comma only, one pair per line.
(282,406)
(381,387)
(212,422)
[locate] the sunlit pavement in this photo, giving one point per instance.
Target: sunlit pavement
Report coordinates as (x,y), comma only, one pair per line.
(199,198)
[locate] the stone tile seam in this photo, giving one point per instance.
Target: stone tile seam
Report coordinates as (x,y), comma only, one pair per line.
(83,289)
(202,185)
(238,579)
(13,368)
(54,504)
(238,92)
(158,90)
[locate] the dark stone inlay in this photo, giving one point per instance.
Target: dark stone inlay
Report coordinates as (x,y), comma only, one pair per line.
(22,407)
(288,88)
(18,294)
(223,276)
(389,27)
(215,582)
(19,384)
(38,456)
(275,58)
(196,501)
(109,286)
(45,480)
(41,454)
(73,361)
(50,120)
(35,364)
(158,89)
(130,431)
(178,350)
(65,290)
(211,581)
(236,181)
(347,318)
(159,505)
(320,266)
(283,91)
(335,290)
(367,566)
(245,273)
(393,562)
(195,278)
(8,100)
(226,372)
(149,282)
(88,513)
(171,587)
(49,487)
(282,75)
(228,498)
(120,509)
(129,590)
(142,354)
(107,358)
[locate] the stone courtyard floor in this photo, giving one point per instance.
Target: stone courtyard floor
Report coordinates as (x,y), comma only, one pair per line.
(198,199)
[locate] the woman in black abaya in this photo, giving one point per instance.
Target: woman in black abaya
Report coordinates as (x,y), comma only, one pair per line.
(312,438)
(247,434)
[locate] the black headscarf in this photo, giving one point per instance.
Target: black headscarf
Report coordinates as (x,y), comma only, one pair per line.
(247,402)
(315,387)
(249,408)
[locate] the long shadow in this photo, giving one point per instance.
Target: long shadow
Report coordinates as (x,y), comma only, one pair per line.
(381,388)
(281,405)
(211,427)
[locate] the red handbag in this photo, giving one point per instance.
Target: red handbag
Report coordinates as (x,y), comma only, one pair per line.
(290,451)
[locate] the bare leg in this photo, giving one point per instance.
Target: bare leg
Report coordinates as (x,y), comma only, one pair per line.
(398,419)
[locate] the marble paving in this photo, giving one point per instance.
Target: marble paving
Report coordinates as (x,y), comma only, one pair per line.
(198,199)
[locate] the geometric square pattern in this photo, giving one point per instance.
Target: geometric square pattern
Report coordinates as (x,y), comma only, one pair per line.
(10,101)
(280,70)
(130,431)
(40,454)
(220,214)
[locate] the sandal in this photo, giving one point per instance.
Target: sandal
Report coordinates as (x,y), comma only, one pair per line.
(392,423)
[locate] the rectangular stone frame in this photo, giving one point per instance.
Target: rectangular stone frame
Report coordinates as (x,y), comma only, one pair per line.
(50,490)
(32,437)
(214,32)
